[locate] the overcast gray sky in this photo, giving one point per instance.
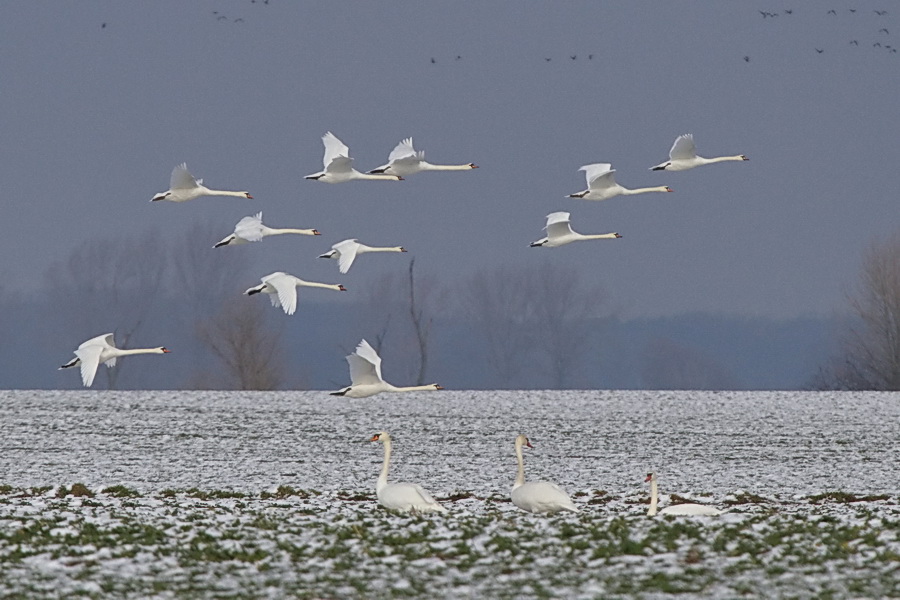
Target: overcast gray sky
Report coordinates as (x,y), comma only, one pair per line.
(95,117)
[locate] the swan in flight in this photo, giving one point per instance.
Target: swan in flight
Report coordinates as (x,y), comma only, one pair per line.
(683,156)
(365,376)
(405,160)
(251,229)
(345,252)
(339,165)
(537,496)
(401,497)
(601,180)
(183,187)
(676,509)
(559,232)
(102,349)
(282,289)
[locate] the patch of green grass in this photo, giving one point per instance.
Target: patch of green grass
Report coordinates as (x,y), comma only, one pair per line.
(120,491)
(845,498)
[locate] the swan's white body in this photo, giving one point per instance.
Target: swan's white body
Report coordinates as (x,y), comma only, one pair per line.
(601,180)
(251,229)
(683,156)
(345,252)
(405,160)
(365,376)
(401,497)
(102,349)
(559,232)
(339,165)
(183,187)
(676,509)
(537,496)
(282,289)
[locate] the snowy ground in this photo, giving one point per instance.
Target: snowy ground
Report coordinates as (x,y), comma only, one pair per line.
(271,494)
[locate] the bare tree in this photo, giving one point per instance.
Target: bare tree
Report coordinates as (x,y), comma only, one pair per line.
(870,354)
(421,323)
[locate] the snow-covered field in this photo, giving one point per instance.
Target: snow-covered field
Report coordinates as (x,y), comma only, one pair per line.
(272,495)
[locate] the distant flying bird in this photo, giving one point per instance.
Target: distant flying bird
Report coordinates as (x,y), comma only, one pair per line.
(683,156)
(251,229)
(102,349)
(832,12)
(183,187)
(884,31)
(746,59)
(880,13)
(366,379)
(239,20)
(788,11)
(282,289)
(405,160)
(819,51)
(601,181)
(559,232)
(103,26)
(676,509)
(402,497)
(852,10)
(548,59)
(876,45)
(345,252)
(537,496)
(590,56)
(433,61)
(339,165)
(854,43)
(222,18)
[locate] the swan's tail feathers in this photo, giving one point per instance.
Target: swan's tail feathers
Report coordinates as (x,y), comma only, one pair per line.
(342,392)
(72,363)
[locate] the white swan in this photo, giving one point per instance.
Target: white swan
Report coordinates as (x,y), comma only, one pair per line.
(345,252)
(676,509)
(537,496)
(339,165)
(365,376)
(401,497)
(601,180)
(183,187)
(102,349)
(282,289)
(683,156)
(559,232)
(251,229)
(405,160)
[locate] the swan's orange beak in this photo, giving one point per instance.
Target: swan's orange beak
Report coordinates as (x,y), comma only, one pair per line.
(528,443)
(340,286)
(473,166)
(668,189)
(649,477)
(166,350)
(375,437)
(316,232)
(744,157)
(438,387)
(249,196)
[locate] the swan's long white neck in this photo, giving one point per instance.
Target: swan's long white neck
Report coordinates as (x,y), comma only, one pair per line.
(707,161)
(629,192)
(654,497)
(426,166)
(520,475)
(123,352)
(597,236)
(327,286)
(382,478)
(412,388)
(380,249)
(210,192)
(272,231)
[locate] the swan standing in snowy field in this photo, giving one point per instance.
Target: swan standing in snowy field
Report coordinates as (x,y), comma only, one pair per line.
(339,165)
(537,496)
(282,289)
(102,349)
(405,160)
(559,232)
(365,376)
(401,497)
(676,509)
(683,156)
(251,229)
(183,187)
(601,180)
(345,252)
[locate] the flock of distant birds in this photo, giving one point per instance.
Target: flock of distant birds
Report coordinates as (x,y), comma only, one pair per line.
(537,497)
(834,12)
(403,161)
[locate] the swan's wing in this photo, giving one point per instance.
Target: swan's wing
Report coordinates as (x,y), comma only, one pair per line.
(599,176)
(405,151)
(105,340)
(683,148)
(558,224)
(250,228)
(181,178)
(340,164)
(346,254)
(285,288)
(90,360)
(333,148)
(365,364)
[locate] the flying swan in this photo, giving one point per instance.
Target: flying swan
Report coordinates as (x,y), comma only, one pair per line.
(251,229)
(601,181)
(405,160)
(559,232)
(282,289)
(537,496)
(401,497)
(365,376)
(339,165)
(683,156)
(345,252)
(676,509)
(183,187)
(102,349)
